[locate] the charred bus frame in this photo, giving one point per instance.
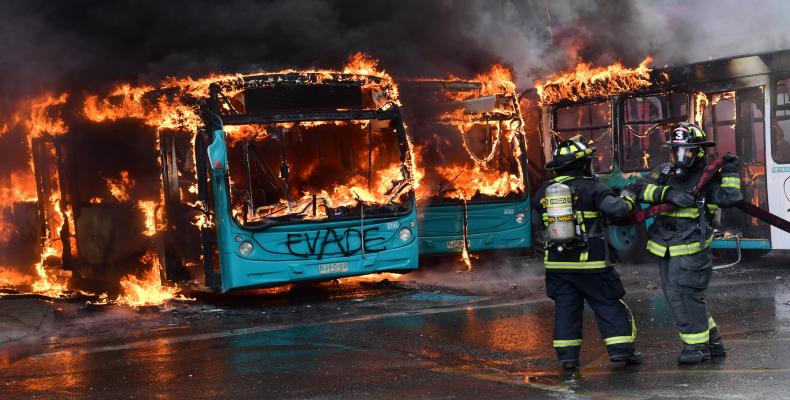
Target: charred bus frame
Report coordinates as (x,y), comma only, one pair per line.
(491,224)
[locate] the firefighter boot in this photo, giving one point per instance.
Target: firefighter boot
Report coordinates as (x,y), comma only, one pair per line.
(632,358)
(570,365)
(694,353)
(715,344)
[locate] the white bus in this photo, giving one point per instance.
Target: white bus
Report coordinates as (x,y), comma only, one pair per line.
(743,103)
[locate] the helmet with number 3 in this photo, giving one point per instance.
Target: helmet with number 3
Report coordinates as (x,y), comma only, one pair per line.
(687,141)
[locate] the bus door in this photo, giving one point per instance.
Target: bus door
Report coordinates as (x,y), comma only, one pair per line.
(735,120)
(779,162)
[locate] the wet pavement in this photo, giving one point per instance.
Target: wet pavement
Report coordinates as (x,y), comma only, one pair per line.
(436,334)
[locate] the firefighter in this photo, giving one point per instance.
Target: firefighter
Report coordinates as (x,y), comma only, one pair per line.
(681,237)
(578,262)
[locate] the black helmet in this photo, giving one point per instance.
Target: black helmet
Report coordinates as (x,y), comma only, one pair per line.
(568,152)
(687,141)
(687,134)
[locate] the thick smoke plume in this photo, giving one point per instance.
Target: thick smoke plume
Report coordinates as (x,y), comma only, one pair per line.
(89,44)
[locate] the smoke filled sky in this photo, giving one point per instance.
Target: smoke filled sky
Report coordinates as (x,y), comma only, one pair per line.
(87,45)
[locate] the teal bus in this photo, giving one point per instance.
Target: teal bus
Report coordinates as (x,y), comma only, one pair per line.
(741,103)
(304,177)
(471,152)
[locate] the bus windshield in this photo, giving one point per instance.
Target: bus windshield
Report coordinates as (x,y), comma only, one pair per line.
(316,171)
(593,121)
(647,123)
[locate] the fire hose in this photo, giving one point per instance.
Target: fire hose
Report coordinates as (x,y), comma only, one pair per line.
(710,171)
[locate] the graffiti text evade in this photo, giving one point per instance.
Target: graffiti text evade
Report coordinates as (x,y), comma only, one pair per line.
(331,243)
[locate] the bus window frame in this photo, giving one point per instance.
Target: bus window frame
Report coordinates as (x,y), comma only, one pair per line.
(669,120)
(554,131)
(388,114)
(772,116)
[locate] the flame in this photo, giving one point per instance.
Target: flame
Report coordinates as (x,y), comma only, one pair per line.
(468,179)
(496,81)
(150,210)
(119,188)
(146,290)
(700,102)
(37,117)
(645,159)
(391,276)
(587,82)
(11,278)
(49,283)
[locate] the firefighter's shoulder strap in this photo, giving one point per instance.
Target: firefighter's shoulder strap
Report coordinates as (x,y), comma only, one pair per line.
(641,215)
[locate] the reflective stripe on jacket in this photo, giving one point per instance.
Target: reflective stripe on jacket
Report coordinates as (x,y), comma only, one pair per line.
(678,232)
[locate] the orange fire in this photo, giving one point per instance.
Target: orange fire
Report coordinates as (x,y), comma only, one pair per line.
(146,290)
(119,188)
(587,82)
(468,179)
(391,276)
(11,278)
(37,118)
(151,212)
(49,282)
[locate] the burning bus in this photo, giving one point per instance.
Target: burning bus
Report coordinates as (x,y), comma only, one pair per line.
(242,181)
(469,142)
(741,102)
(311,179)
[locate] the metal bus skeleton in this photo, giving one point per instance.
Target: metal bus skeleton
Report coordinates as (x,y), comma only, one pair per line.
(471,152)
(309,176)
(742,103)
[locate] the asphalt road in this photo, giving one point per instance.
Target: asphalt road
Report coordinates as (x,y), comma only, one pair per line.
(437,334)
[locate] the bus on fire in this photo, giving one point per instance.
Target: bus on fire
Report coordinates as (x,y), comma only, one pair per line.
(742,103)
(471,153)
(308,177)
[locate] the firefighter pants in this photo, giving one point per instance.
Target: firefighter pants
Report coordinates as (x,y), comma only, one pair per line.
(603,291)
(684,280)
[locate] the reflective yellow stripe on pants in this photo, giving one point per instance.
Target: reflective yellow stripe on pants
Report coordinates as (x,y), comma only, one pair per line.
(574,265)
(678,249)
(567,343)
(695,338)
(623,339)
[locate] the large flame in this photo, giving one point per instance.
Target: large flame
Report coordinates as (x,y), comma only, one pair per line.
(587,82)
(478,176)
(37,118)
(146,290)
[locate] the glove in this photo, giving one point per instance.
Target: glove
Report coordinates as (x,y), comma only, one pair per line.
(731,167)
(635,187)
(679,198)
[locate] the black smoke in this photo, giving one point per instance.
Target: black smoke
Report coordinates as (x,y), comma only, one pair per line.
(87,45)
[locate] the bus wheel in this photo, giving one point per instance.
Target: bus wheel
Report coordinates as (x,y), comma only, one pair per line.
(629,241)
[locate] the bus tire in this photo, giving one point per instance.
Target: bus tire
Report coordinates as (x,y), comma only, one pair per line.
(629,241)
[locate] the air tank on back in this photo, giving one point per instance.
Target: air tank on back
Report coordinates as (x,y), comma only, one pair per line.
(559,211)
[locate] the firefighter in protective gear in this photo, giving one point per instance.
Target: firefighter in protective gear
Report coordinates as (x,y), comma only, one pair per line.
(582,269)
(681,237)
